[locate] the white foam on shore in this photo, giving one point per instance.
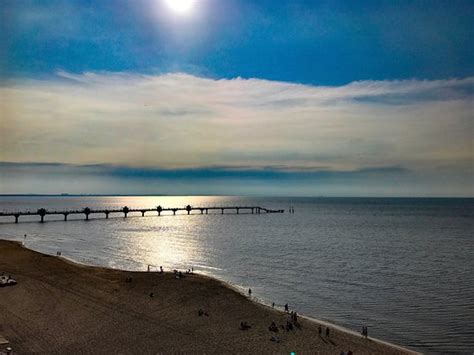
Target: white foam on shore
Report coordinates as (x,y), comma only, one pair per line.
(242,290)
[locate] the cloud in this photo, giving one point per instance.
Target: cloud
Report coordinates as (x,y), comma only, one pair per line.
(54,178)
(180,121)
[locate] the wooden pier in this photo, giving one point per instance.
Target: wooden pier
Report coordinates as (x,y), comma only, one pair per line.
(42,212)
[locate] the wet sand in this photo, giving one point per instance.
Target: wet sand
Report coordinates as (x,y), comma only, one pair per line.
(62,307)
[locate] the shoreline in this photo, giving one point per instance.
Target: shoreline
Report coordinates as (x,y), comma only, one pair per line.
(322,322)
(348,339)
(260,303)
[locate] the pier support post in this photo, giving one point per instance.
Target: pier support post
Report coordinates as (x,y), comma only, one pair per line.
(222,211)
(174,212)
(87,211)
(237,210)
(143,213)
(16,218)
(207,211)
(65,216)
(252,210)
(125,211)
(42,212)
(202,210)
(107,214)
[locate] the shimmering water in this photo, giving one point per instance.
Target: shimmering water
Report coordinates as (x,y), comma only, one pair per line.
(404,267)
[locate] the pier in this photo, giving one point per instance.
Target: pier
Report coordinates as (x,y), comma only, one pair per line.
(125,211)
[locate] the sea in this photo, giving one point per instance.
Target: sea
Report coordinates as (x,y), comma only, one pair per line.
(404,267)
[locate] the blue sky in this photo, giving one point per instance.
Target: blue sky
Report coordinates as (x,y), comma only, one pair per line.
(272,89)
(316,42)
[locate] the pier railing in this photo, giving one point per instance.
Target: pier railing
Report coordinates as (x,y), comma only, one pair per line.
(43,212)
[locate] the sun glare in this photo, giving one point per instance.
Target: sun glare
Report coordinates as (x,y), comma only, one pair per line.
(180,6)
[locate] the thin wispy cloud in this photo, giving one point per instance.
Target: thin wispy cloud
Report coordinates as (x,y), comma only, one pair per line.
(179,120)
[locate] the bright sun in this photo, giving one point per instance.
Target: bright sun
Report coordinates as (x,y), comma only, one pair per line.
(180,6)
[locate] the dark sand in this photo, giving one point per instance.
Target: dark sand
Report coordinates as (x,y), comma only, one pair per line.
(62,307)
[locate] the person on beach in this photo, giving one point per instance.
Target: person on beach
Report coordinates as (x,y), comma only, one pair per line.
(320,330)
(244,325)
(273,327)
(286,307)
(250,292)
(273,305)
(294,317)
(327,332)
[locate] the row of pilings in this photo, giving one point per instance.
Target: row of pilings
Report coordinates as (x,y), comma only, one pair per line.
(42,212)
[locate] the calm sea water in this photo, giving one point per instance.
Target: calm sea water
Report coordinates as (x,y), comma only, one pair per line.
(404,267)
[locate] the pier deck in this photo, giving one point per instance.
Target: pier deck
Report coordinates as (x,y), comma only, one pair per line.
(42,212)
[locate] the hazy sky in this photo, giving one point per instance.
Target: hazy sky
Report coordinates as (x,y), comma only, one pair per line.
(354,98)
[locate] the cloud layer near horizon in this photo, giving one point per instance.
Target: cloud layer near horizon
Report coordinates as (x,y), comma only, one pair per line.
(175,121)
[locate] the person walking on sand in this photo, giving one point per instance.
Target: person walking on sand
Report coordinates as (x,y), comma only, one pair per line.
(320,330)
(286,307)
(327,332)
(250,292)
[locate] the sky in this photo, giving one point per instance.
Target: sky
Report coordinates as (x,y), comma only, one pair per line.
(293,98)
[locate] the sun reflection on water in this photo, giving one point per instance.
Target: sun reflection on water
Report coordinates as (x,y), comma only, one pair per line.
(168,241)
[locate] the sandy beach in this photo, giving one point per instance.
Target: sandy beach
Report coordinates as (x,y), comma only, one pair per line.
(62,307)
